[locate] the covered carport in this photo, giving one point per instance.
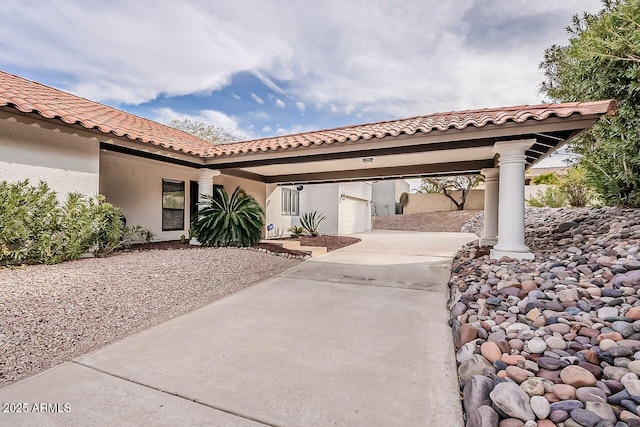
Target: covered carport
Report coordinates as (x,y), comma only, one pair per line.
(499,143)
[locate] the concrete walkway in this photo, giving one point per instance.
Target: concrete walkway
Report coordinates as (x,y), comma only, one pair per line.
(357,337)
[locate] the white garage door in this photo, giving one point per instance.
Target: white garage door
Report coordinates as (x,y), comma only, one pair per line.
(353,216)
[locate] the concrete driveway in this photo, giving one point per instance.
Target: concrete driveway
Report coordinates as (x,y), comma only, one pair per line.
(357,337)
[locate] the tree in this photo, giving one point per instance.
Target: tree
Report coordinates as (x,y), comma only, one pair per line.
(211,133)
(602,61)
(446,185)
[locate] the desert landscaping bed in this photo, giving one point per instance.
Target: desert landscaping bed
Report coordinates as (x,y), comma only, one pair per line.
(427,221)
(554,341)
(50,314)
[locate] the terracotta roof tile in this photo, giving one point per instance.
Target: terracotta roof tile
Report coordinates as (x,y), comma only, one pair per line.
(424,124)
(31,97)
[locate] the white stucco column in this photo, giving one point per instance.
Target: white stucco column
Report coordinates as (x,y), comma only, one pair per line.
(205,183)
(511,200)
(205,187)
(491,187)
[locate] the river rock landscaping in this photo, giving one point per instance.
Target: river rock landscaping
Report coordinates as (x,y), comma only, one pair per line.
(554,341)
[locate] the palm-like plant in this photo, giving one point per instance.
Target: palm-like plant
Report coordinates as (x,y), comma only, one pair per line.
(229,221)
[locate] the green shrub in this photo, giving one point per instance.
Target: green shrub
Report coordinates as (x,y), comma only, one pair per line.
(546,179)
(36,228)
(296,231)
(552,197)
(310,221)
(229,221)
(575,188)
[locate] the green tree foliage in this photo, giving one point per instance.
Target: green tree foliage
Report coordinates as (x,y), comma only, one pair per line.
(447,184)
(229,221)
(36,228)
(602,61)
(546,179)
(211,133)
(571,189)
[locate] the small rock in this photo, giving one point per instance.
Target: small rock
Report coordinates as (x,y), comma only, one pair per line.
(483,416)
(490,351)
(512,400)
(536,345)
(476,393)
(577,376)
(540,406)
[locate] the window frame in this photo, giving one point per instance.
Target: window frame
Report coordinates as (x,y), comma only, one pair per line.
(290,203)
(167,206)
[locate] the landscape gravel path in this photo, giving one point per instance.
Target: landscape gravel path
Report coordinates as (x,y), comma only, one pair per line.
(50,314)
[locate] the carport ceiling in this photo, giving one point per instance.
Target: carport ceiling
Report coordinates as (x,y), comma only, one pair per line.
(451,144)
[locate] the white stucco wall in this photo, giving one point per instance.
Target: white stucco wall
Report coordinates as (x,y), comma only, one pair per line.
(354,195)
(68,160)
(324,198)
(281,223)
(385,194)
(134,185)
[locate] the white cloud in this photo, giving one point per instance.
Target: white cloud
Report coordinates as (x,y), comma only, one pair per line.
(266,128)
(236,96)
(257,99)
(403,58)
(300,106)
(212,117)
(280,103)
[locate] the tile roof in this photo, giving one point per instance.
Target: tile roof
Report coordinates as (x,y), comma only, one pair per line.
(424,124)
(31,97)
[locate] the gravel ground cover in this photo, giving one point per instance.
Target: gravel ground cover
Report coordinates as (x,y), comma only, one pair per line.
(51,314)
(554,341)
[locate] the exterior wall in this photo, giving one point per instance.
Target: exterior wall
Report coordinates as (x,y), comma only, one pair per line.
(324,198)
(281,223)
(355,200)
(254,188)
(67,160)
(532,190)
(385,195)
(434,202)
(135,186)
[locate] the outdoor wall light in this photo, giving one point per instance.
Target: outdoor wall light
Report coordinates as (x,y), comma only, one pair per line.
(299,187)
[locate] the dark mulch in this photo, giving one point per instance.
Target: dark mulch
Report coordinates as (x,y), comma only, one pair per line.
(330,242)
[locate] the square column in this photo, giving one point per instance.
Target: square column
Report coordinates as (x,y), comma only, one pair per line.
(511,200)
(491,192)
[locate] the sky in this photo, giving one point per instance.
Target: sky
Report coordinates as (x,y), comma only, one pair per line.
(265,68)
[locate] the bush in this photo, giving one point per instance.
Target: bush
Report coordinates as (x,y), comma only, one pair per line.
(546,179)
(296,231)
(229,221)
(552,197)
(35,228)
(575,188)
(310,221)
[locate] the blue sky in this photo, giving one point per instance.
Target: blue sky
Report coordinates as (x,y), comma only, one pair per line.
(264,68)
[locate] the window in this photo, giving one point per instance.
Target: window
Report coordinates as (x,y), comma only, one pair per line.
(172,205)
(290,202)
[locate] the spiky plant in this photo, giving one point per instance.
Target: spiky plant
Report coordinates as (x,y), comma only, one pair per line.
(229,221)
(310,221)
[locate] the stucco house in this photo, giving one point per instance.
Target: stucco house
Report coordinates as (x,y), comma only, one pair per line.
(156,174)
(346,206)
